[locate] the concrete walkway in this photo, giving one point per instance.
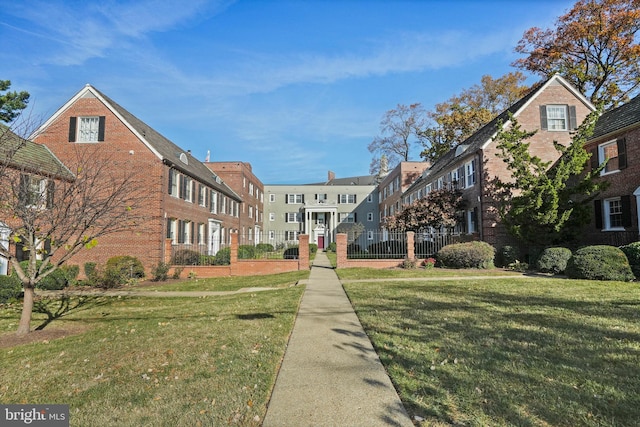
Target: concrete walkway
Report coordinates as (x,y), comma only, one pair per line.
(331,375)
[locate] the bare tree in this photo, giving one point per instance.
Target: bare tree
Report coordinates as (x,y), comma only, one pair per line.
(53,214)
(400,130)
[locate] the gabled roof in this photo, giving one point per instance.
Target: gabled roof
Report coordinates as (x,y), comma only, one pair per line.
(625,116)
(485,134)
(22,154)
(161,147)
(353,180)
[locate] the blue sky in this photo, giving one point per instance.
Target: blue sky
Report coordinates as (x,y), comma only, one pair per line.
(296,88)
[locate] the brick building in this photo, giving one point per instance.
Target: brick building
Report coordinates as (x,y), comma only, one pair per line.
(186,201)
(616,141)
(240,177)
(395,183)
(553,109)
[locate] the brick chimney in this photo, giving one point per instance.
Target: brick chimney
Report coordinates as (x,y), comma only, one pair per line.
(331,176)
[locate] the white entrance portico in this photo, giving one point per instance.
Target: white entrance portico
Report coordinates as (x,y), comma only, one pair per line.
(320,221)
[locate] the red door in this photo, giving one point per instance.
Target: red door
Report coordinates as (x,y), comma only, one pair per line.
(321,242)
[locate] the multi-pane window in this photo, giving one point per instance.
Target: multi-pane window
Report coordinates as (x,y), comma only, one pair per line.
(613,213)
(250,211)
(557,117)
(293,216)
(470,168)
(272,216)
(321,198)
(201,234)
(202,195)
(33,191)
(291,235)
(88,129)
(347,217)
(213,202)
(609,153)
(173,182)
(295,198)
(187,184)
(347,198)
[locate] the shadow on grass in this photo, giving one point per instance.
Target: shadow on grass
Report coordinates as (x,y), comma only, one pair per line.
(64,305)
(463,355)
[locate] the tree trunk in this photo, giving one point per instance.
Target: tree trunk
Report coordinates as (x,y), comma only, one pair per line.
(24,327)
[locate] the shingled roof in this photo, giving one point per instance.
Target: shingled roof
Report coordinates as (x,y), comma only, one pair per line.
(477,141)
(617,119)
(170,153)
(22,154)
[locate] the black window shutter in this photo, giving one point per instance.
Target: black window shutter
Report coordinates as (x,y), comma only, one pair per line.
(338,198)
(355,197)
(180,231)
(355,217)
(475,219)
(23,192)
(595,162)
(543,117)
(170,180)
(51,188)
(303,198)
(101,128)
(622,153)
(597,204)
(168,228)
(193,232)
(181,186)
(626,210)
(573,121)
(72,129)
(286,198)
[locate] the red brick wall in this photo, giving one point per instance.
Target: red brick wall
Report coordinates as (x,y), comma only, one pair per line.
(125,153)
(344,262)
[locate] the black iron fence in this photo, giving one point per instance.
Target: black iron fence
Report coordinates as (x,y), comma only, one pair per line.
(384,244)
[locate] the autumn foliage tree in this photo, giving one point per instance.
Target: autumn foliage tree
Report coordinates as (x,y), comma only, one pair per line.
(399,132)
(593,45)
(438,209)
(462,115)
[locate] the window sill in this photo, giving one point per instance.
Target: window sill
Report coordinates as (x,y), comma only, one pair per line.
(613,229)
(609,173)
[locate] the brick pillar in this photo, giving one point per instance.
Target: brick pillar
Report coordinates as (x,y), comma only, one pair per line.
(303,252)
(235,267)
(341,250)
(167,251)
(411,254)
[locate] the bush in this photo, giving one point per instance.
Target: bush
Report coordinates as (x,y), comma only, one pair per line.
(331,247)
(599,263)
(207,260)
(466,255)
(125,266)
(90,268)
(55,281)
(313,248)
(247,252)
(554,260)
(509,255)
(160,272)
(265,247)
(291,253)
(409,264)
(185,257)
(10,288)
(353,248)
(632,251)
(71,272)
(223,257)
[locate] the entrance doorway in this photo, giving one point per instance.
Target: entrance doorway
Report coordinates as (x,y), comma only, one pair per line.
(320,242)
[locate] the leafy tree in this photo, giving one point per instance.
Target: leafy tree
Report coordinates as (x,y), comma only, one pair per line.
(51,223)
(11,103)
(439,208)
(400,131)
(594,46)
(462,115)
(545,203)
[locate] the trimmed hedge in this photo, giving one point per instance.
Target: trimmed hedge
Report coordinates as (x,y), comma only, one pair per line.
(599,262)
(125,266)
(10,288)
(632,251)
(554,260)
(185,257)
(55,281)
(466,255)
(223,257)
(291,253)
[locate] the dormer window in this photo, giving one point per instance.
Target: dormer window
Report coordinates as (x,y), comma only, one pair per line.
(184,159)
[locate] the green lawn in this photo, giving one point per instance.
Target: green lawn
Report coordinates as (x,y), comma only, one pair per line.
(373,273)
(526,352)
(230,283)
(155,361)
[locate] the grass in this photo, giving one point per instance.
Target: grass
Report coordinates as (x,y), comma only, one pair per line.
(230,283)
(156,361)
(393,273)
(505,352)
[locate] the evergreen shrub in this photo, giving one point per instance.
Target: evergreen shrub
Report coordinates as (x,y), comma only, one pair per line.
(466,255)
(632,251)
(599,262)
(554,260)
